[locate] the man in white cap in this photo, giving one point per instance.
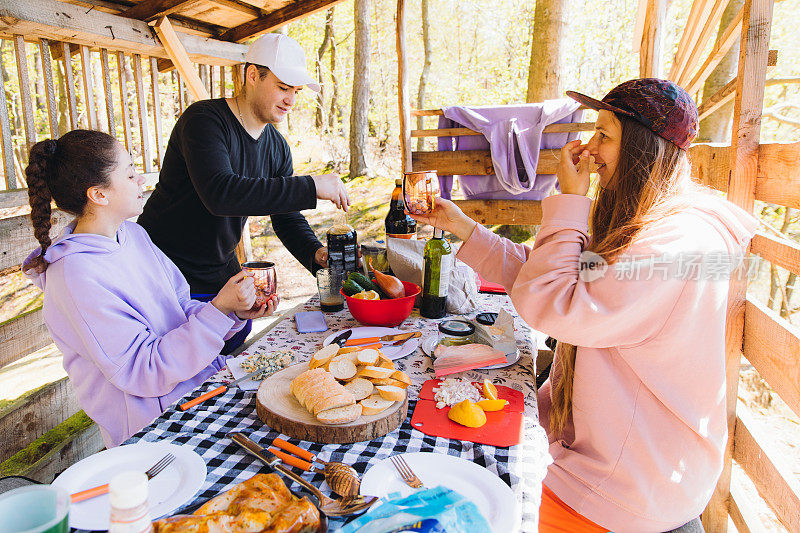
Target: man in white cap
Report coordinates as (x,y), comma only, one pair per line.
(225,161)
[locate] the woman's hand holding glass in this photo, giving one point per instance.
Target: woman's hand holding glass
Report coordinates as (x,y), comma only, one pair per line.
(448,217)
(574,168)
(238,296)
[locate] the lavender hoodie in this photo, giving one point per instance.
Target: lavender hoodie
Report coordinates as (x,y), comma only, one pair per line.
(645,446)
(133,341)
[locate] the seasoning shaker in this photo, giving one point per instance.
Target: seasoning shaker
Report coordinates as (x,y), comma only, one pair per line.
(127,494)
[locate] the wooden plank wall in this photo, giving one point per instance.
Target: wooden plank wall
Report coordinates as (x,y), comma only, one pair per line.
(94,98)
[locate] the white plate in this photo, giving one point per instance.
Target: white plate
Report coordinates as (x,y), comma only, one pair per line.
(429,344)
(392,352)
(170,489)
(494,499)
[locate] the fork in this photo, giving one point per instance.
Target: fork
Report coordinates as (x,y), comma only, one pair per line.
(152,472)
(406,473)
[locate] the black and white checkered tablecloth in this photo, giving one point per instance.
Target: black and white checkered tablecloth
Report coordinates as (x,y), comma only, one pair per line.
(206,427)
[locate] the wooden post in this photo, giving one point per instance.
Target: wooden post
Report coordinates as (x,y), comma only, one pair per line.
(147,160)
(123,98)
(88,87)
(25,91)
(49,88)
(112,123)
(222,87)
(177,53)
(72,100)
(5,132)
(650,47)
(157,110)
(402,92)
(750,82)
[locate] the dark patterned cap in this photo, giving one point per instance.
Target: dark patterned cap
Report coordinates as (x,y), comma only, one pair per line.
(660,105)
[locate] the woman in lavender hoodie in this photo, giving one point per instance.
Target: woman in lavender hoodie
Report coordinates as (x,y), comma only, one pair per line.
(635,407)
(117,308)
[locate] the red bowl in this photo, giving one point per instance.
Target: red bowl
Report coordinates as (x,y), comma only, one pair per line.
(387,313)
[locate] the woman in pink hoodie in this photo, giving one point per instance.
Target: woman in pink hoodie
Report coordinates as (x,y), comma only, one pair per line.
(119,310)
(635,406)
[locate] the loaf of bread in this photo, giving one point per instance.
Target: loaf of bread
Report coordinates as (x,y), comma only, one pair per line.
(317,390)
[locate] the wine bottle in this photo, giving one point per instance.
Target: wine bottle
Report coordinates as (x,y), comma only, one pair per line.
(438,263)
(398,224)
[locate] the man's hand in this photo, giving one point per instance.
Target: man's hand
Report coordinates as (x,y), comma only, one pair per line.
(330,187)
(321,257)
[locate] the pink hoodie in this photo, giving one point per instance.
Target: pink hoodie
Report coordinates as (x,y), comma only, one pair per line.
(645,447)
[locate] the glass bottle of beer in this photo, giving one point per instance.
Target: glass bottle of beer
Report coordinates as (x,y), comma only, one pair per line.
(438,257)
(398,223)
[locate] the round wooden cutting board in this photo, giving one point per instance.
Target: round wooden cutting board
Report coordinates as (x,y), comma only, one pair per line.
(281,411)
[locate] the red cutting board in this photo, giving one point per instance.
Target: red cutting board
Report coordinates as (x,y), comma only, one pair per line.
(502,428)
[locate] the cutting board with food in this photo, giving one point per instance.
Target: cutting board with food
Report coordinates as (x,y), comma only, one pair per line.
(476,412)
(341,395)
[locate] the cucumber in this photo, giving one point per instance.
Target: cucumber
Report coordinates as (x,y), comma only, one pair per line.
(350,287)
(363,281)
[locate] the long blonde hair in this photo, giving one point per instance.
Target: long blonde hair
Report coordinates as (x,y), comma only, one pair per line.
(652,174)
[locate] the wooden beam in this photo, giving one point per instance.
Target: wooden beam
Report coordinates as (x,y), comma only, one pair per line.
(778,174)
(13,197)
(772,345)
(780,252)
(180,59)
(473,162)
(144,128)
(156,94)
(744,517)
(22,335)
(123,98)
(34,414)
(403,102)
(775,481)
(711,165)
(150,9)
(709,29)
(54,20)
(25,91)
(70,89)
(109,92)
(49,88)
(241,7)
(513,212)
(753,52)
(692,84)
(650,47)
(276,19)
(9,172)
(699,12)
(88,88)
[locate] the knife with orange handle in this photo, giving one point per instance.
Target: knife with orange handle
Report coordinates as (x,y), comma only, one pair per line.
(384,339)
(217,391)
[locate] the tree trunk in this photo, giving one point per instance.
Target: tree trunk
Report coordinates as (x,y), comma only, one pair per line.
(326,43)
(335,113)
(426,67)
(716,127)
(360,106)
(549,25)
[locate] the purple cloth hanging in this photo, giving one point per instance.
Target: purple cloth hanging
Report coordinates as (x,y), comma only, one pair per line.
(514,135)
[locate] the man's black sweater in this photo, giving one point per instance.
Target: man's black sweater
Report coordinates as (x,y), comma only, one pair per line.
(213,177)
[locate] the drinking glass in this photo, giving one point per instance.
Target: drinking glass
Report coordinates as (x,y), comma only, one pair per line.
(265,279)
(329,283)
(35,509)
(420,190)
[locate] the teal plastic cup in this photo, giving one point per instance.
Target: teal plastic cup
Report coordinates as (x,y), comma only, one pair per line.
(35,509)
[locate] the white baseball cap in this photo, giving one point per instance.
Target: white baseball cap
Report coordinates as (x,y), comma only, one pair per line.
(284,57)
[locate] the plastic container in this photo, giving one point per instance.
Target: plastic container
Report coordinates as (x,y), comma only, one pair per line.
(455,333)
(386,313)
(127,495)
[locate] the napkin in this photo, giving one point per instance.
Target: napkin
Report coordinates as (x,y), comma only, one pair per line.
(435,510)
(405,259)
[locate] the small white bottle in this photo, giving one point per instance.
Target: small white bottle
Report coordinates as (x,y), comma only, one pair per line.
(127,493)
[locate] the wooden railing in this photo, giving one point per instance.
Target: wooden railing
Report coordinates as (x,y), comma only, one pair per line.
(44,430)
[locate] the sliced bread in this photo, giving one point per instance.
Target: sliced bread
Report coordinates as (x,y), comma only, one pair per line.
(399,375)
(333,401)
(323,356)
(340,415)
(390,392)
(385,362)
(360,388)
(374,405)
(342,367)
(375,372)
(368,356)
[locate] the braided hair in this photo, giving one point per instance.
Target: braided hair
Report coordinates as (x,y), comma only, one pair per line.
(63,170)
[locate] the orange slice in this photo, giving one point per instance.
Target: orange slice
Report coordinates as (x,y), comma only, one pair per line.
(489,390)
(492,405)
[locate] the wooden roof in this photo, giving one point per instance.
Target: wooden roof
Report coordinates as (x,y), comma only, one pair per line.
(226,20)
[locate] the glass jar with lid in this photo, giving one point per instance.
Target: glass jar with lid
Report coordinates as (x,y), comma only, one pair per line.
(455,332)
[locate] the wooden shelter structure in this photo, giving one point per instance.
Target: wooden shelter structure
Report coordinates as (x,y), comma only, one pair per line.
(197,44)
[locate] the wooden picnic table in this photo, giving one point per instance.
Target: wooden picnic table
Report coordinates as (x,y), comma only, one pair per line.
(205,427)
